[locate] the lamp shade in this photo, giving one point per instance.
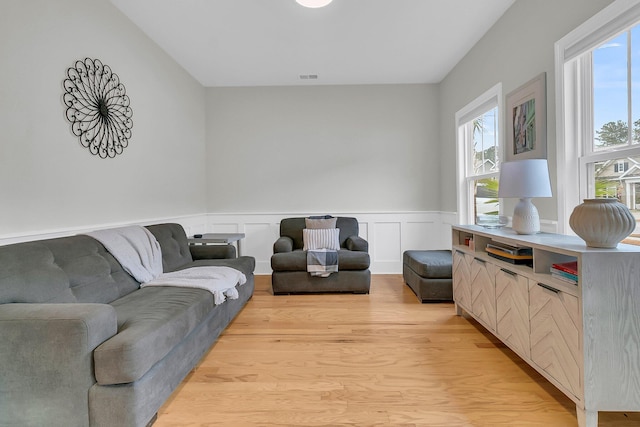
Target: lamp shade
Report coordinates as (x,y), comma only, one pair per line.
(314,3)
(525,179)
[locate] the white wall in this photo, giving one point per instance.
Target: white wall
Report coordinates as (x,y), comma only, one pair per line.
(48,181)
(517,48)
(369,148)
(241,158)
(368,151)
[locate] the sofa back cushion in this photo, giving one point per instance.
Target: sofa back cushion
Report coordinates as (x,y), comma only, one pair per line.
(66,269)
(174,245)
(292,227)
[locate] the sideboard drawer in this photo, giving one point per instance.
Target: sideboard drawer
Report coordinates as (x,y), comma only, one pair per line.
(555,338)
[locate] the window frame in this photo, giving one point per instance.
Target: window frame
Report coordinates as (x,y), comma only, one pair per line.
(489,100)
(574,105)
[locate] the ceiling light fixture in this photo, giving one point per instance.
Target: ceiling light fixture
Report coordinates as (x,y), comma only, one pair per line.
(313,3)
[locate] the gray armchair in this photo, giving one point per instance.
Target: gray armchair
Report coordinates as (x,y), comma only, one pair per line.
(289,261)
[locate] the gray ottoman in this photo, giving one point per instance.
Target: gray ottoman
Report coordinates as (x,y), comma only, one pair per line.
(428,274)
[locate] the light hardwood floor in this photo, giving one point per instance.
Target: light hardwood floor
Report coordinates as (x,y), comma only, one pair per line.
(381,359)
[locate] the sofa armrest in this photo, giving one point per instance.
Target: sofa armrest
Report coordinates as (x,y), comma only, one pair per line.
(283,244)
(357,243)
(46,360)
(212,251)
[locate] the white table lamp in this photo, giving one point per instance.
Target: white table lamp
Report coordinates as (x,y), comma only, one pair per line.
(525,179)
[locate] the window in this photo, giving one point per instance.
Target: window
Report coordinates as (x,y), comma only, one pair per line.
(478,155)
(621,166)
(598,122)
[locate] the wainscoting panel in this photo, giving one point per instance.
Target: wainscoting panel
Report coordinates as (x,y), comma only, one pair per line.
(414,232)
(389,233)
(363,228)
(258,243)
(226,228)
(386,245)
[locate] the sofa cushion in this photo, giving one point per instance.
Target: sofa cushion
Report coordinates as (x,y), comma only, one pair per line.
(174,245)
(297,260)
(433,264)
(66,269)
(151,322)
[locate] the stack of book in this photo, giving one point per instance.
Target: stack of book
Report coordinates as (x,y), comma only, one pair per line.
(566,271)
(512,254)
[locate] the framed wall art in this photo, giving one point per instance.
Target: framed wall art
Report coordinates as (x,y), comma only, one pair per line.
(526,119)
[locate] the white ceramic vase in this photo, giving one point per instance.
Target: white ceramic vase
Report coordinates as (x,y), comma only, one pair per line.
(602,223)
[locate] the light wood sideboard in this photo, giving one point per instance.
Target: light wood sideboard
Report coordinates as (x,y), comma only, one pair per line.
(584,337)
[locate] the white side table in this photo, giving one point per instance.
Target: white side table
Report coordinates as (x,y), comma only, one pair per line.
(218,239)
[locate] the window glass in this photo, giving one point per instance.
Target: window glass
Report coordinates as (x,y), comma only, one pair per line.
(612,164)
(635,84)
(486,200)
(610,94)
(485,161)
(617,178)
(485,143)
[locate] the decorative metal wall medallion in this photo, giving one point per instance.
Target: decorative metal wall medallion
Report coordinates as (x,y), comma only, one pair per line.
(98,108)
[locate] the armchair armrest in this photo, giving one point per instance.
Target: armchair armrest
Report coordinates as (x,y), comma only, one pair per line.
(212,251)
(357,243)
(283,244)
(46,360)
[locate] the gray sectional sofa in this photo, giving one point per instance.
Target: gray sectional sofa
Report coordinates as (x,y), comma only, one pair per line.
(81,344)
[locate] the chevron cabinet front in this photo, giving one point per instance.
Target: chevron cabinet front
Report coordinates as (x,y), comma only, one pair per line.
(483,292)
(512,310)
(570,311)
(555,334)
(462,280)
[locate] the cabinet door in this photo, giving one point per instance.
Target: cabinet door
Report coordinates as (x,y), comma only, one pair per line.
(462,279)
(555,332)
(483,292)
(512,310)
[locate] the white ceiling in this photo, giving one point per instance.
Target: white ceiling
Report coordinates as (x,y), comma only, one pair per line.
(273,42)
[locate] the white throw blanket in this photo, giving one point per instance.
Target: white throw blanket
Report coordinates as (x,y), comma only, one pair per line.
(139,253)
(135,248)
(220,281)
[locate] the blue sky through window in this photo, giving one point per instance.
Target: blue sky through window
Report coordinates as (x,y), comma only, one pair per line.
(610,80)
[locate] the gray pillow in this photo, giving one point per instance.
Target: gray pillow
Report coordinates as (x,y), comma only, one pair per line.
(316,223)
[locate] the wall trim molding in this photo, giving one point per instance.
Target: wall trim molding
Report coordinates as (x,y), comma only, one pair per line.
(389,233)
(188,222)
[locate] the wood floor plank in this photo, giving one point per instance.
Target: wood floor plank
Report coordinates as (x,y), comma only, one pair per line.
(382,359)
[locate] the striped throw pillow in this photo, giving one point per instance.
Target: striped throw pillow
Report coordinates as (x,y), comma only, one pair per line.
(321,238)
